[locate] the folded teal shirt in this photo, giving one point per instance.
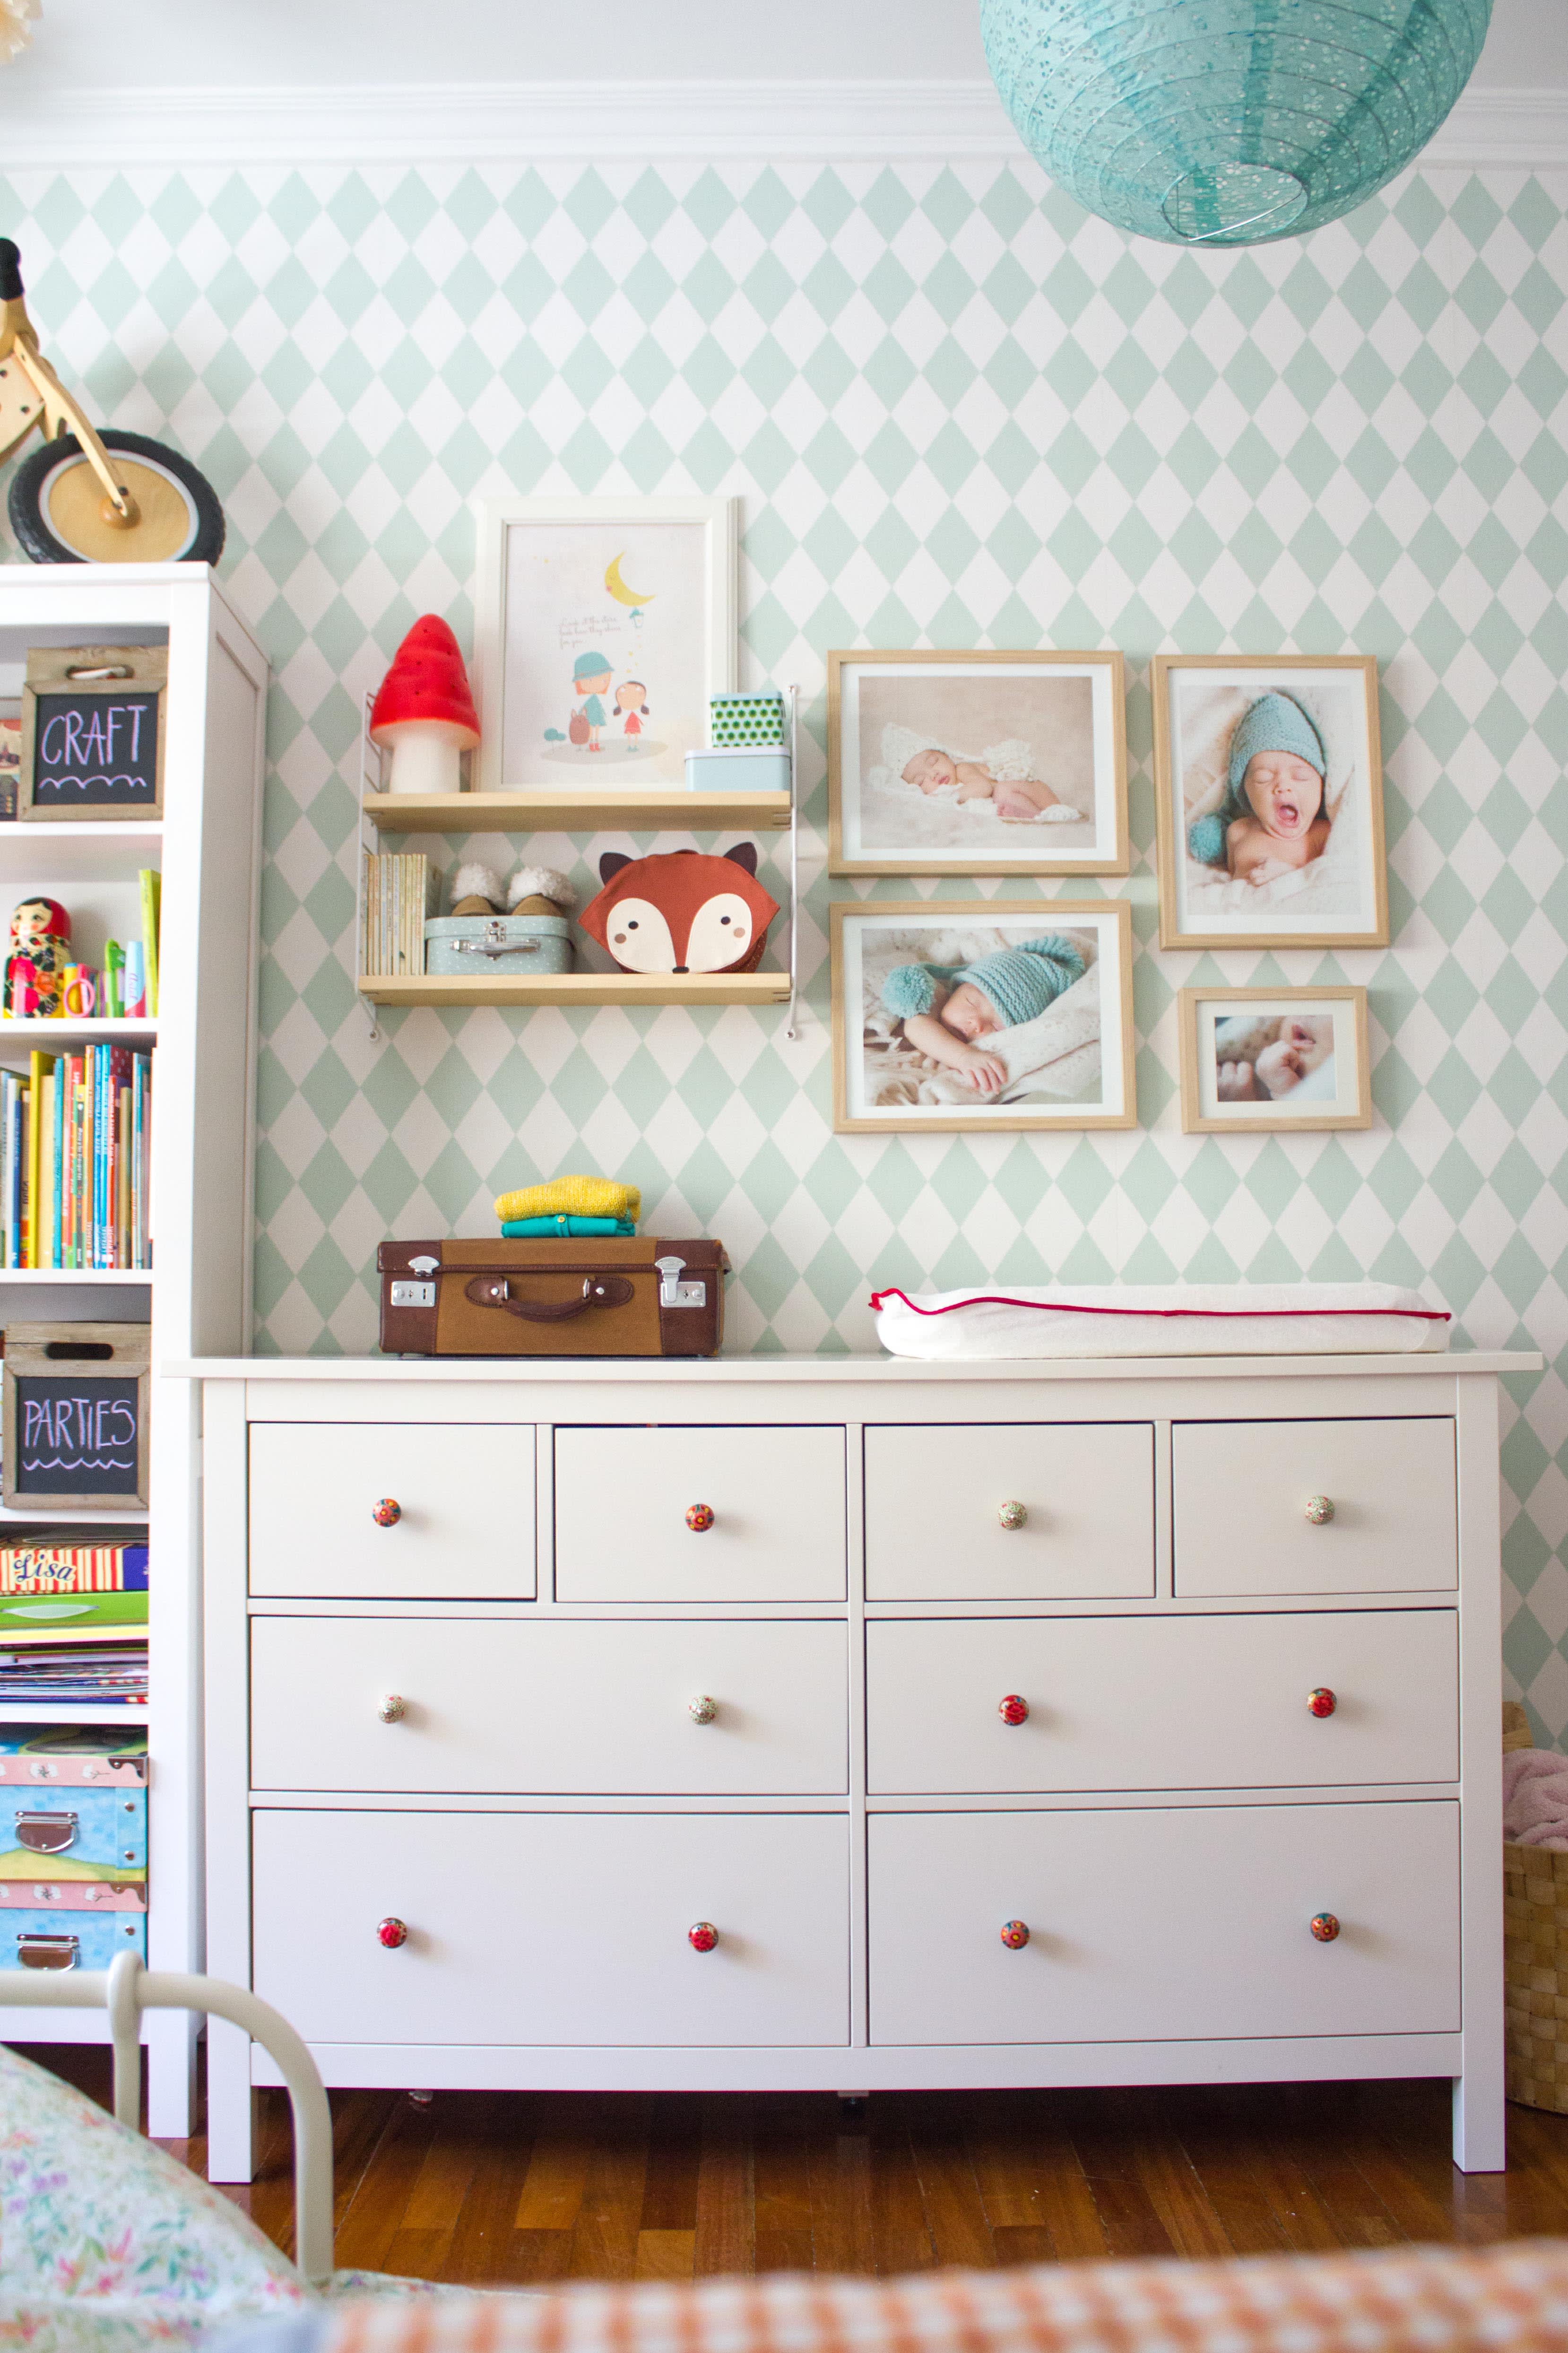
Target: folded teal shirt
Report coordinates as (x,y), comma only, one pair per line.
(529,1229)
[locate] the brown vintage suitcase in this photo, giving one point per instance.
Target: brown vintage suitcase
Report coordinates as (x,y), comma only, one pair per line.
(610,1298)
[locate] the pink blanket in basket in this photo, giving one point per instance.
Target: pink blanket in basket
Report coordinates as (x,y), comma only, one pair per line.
(1535,1799)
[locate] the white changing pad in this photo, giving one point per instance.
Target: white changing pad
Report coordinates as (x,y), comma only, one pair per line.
(1162,1319)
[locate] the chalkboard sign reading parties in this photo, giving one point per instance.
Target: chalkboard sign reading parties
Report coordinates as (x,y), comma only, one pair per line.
(76,1414)
(92,732)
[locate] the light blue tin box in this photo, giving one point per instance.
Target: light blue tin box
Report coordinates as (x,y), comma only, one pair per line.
(479,945)
(70,1940)
(722,770)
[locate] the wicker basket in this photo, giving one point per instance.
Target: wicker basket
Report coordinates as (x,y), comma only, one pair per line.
(1535,1964)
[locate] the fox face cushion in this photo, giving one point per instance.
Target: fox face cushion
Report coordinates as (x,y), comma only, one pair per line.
(681,910)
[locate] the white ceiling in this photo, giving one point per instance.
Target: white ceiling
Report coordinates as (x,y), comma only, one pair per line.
(242,44)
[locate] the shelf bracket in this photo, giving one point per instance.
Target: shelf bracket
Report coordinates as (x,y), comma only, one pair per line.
(791,1026)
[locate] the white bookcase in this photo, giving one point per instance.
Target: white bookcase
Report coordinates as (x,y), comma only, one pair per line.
(197,1295)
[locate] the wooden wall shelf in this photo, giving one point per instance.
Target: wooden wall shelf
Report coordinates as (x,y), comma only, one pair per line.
(656,811)
(579,989)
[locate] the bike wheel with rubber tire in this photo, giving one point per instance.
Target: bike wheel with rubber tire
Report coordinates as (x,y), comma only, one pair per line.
(61,513)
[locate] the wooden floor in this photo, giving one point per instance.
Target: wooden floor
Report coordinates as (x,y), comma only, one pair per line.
(494,2188)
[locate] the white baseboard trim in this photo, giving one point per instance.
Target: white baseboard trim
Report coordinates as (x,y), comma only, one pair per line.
(463,123)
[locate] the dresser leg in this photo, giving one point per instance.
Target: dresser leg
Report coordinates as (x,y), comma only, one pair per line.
(1480,2138)
(231,2104)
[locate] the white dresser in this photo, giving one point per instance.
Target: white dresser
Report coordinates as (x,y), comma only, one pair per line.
(856,1725)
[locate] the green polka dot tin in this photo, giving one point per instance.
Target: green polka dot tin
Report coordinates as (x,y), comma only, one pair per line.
(741,721)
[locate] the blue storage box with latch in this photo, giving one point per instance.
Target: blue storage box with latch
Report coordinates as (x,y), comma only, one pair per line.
(70,1940)
(73,1833)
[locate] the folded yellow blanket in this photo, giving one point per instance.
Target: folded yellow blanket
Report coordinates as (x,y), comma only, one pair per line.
(572,1196)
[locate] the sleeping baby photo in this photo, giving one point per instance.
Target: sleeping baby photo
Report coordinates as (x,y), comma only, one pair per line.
(1269,801)
(982,1014)
(976,764)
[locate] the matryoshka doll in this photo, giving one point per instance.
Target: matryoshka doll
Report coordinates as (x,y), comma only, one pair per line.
(39,953)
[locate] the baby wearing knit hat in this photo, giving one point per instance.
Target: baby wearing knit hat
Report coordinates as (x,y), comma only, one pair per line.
(1271,819)
(945,1008)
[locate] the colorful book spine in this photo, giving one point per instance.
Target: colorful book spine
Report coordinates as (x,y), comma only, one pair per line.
(151,894)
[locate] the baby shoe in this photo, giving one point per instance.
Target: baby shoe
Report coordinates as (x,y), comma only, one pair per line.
(539,891)
(476,890)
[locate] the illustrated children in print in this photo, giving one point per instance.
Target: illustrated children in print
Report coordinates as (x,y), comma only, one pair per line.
(629,702)
(1018,800)
(1271,820)
(591,679)
(945,1008)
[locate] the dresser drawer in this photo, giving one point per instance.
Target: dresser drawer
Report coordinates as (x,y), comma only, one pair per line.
(464,1494)
(688,1514)
(1162,1703)
(553,1929)
(1242,1495)
(1175,1923)
(550,1707)
(934,1503)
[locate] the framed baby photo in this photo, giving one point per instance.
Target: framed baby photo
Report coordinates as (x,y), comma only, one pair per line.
(964,1015)
(601,627)
(1267,1060)
(976,764)
(1269,801)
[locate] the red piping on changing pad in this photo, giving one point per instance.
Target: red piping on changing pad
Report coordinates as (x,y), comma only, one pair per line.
(1070,1307)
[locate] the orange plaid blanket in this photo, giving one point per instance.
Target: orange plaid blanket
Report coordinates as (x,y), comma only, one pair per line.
(1503,2299)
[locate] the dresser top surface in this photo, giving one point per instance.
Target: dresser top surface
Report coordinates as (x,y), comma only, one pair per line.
(708,1372)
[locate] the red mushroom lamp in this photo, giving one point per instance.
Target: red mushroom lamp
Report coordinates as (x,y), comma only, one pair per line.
(425,712)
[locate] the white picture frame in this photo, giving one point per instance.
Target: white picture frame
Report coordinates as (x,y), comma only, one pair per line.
(532,631)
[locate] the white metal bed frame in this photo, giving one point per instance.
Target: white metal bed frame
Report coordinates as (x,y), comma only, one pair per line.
(125,1990)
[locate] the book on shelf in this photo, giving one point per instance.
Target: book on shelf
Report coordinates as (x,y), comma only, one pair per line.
(72,1617)
(152,884)
(70,1672)
(75,1140)
(400,891)
(74,1560)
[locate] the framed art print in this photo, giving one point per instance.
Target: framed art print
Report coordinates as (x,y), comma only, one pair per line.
(1258,1060)
(976,764)
(980,1014)
(1269,801)
(602,627)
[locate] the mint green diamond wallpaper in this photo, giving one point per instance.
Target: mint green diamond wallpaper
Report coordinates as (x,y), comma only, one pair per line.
(957,412)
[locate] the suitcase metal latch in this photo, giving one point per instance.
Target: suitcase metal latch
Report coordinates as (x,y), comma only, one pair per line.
(412,1295)
(672,1292)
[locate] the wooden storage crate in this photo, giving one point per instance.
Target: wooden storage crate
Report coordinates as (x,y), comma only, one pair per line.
(1535,1966)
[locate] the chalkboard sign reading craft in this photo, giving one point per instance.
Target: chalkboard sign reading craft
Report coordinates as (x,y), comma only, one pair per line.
(76,1414)
(92,732)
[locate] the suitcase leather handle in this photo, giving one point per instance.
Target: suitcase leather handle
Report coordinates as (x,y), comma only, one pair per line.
(598,1291)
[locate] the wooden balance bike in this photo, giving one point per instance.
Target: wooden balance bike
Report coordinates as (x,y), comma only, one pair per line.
(88,497)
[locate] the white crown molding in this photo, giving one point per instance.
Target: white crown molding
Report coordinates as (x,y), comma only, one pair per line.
(470,123)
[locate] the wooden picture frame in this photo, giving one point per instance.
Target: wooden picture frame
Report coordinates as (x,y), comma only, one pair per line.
(534,625)
(883,1086)
(1338,895)
(77,1356)
(110,685)
(1310,1101)
(960,705)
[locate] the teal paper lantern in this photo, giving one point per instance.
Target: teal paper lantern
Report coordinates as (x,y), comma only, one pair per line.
(1228,121)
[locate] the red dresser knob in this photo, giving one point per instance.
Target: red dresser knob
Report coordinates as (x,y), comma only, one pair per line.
(702,1937)
(1014,1935)
(392,1933)
(1014,1710)
(1323,1701)
(387,1513)
(1325,1927)
(699,1518)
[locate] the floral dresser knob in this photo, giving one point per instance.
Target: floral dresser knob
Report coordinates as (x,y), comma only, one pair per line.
(702,1937)
(1014,1935)
(392,1708)
(1324,1927)
(1320,1511)
(702,1710)
(1322,1702)
(699,1518)
(1014,1710)
(387,1513)
(392,1933)
(1012,1516)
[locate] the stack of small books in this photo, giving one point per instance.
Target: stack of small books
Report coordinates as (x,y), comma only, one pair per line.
(73,1618)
